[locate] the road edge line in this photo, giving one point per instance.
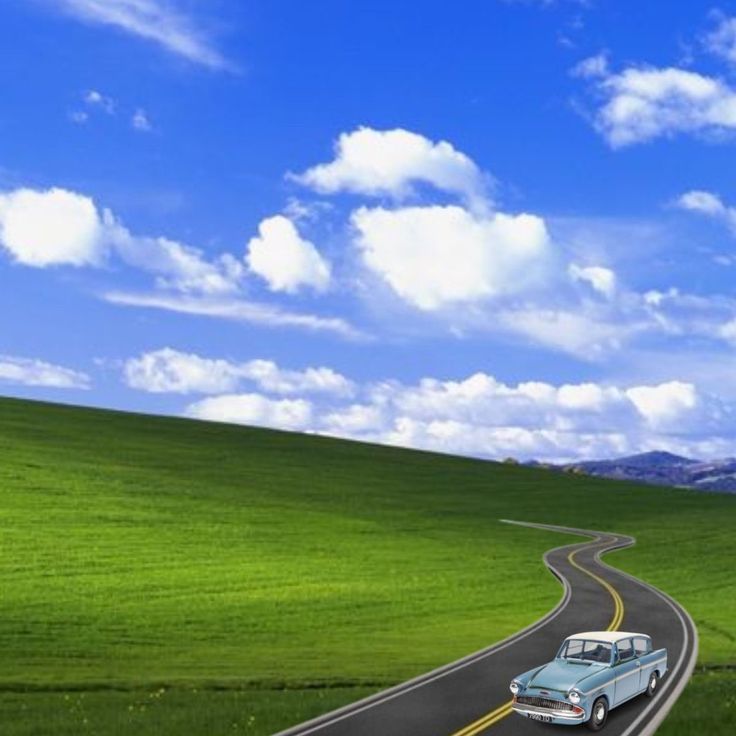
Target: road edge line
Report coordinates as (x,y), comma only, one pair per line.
(667,705)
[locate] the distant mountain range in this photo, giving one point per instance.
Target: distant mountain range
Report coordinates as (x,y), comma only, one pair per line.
(662,468)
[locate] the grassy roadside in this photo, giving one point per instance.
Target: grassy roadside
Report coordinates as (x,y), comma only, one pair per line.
(279,575)
(708,705)
(161,711)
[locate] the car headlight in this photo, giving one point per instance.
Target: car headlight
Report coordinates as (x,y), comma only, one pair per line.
(515,687)
(573,697)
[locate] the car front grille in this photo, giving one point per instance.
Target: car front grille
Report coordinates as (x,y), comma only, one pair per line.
(543,702)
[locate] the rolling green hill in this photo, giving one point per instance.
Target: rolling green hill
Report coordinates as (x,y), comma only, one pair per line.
(162,575)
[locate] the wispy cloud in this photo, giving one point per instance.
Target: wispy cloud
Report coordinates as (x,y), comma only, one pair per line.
(238,310)
(140,121)
(160,21)
(708,204)
(33,372)
(93,98)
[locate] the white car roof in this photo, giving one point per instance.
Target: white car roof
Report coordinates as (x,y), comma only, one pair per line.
(609,636)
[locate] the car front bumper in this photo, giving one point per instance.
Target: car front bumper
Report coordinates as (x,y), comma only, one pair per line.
(549,715)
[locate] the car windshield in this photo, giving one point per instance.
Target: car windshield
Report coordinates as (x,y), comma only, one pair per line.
(586,650)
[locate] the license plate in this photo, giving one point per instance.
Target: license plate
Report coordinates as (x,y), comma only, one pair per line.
(539,717)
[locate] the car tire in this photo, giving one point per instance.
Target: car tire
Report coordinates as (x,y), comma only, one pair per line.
(598,715)
(653,685)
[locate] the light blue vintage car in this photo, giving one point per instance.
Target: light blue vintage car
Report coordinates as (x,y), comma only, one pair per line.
(593,672)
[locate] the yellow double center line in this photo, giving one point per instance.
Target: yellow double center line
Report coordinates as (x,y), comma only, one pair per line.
(486,721)
(504,710)
(618,604)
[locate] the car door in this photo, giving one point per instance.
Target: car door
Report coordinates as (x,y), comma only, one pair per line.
(626,671)
(642,647)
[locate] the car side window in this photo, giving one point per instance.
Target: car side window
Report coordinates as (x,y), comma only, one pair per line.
(625,650)
(641,646)
(596,651)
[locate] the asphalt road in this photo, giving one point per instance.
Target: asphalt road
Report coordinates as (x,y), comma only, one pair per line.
(471,696)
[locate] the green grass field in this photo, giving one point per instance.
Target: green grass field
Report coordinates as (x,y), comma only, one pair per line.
(159,572)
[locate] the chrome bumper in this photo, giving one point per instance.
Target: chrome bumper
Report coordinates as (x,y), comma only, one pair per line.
(565,715)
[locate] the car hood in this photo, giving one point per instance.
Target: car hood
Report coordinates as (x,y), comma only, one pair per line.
(562,675)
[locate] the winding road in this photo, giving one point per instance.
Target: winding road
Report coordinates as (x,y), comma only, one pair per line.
(471,696)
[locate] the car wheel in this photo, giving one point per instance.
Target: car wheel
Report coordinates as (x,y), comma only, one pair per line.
(653,685)
(598,715)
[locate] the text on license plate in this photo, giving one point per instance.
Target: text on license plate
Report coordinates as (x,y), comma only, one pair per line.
(540,717)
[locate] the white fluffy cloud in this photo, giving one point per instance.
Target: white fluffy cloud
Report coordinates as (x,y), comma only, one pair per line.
(643,103)
(709,204)
(436,256)
(159,21)
(592,67)
(284,259)
(389,162)
(482,399)
(354,420)
(727,331)
(52,227)
(33,372)
(254,409)
(602,280)
(271,378)
(499,442)
(665,404)
(702,201)
(172,371)
(482,416)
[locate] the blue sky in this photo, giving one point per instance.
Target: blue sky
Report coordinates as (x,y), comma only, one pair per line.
(509,229)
